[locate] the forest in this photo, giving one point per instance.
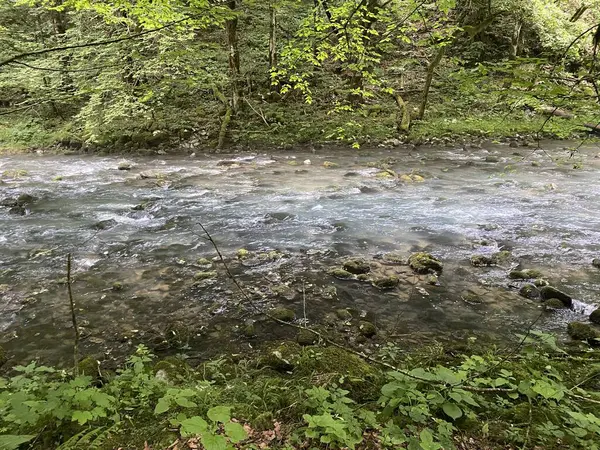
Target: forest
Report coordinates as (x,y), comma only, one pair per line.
(213,74)
(299,225)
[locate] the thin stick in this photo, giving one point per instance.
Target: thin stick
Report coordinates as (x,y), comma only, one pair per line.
(304,302)
(73,317)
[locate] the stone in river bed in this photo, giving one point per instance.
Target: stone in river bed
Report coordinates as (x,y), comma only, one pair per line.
(283,314)
(424,263)
(582,331)
(124,165)
(340,273)
(529,291)
(305,337)
(548,292)
(105,224)
(481,261)
(384,283)
(367,329)
(596,263)
(595,316)
(554,303)
(357,266)
(527,274)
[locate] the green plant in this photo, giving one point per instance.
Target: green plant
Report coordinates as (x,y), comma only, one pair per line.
(220,432)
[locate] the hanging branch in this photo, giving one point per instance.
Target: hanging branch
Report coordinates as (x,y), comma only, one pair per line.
(73,317)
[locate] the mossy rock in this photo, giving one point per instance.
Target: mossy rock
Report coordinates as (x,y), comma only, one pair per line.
(583,332)
(199,276)
(284,314)
(541,282)
(554,303)
(282,357)
(90,367)
(305,338)
(394,258)
(283,291)
(242,253)
(117,286)
(432,279)
(424,263)
(529,291)
(527,274)
(340,273)
(171,368)
(343,314)
(249,330)
(548,292)
(357,266)
(367,329)
(384,283)
(594,318)
(329,165)
(204,263)
(596,263)
(501,257)
(481,261)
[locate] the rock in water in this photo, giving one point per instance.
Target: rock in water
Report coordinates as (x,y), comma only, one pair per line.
(595,316)
(529,291)
(596,263)
(548,292)
(424,263)
(124,165)
(357,266)
(582,332)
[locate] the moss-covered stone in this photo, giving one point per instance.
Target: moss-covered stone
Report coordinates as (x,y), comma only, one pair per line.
(527,274)
(117,286)
(281,313)
(594,316)
(367,329)
(305,338)
(340,273)
(205,275)
(343,314)
(329,165)
(548,292)
(282,357)
(529,291)
(363,277)
(383,283)
(582,331)
(249,330)
(357,266)
(501,257)
(424,263)
(541,282)
(553,303)
(596,263)
(481,261)
(203,263)
(89,366)
(432,279)
(242,253)
(171,368)
(394,258)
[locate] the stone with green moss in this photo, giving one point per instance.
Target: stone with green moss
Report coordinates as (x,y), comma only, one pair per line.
(553,303)
(305,338)
(340,273)
(394,258)
(249,330)
(284,291)
(204,263)
(529,291)
(242,253)
(284,314)
(596,263)
(357,266)
(541,282)
(117,286)
(548,292)
(481,261)
(527,274)
(89,366)
(343,314)
(363,277)
(595,316)
(424,263)
(501,257)
(386,282)
(282,357)
(171,368)
(205,275)
(367,329)
(432,279)
(329,165)
(582,331)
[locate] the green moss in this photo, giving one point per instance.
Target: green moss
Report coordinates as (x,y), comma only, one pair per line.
(582,331)
(553,303)
(89,366)
(357,266)
(117,286)
(548,292)
(204,263)
(529,291)
(367,329)
(340,273)
(481,261)
(172,368)
(263,421)
(384,283)
(305,337)
(424,263)
(242,253)
(501,257)
(527,274)
(205,275)
(282,357)
(343,314)
(281,313)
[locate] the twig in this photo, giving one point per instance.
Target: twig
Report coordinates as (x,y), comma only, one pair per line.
(73,317)
(304,303)
(262,116)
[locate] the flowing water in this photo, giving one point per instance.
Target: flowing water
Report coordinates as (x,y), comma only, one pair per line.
(140,228)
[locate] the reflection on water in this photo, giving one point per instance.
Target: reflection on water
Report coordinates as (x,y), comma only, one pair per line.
(139,228)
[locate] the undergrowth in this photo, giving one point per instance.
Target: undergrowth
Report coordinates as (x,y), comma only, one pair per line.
(315,397)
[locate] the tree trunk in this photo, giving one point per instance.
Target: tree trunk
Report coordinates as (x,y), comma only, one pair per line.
(430,70)
(515,40)
(403,116)
(234,56)
(273,38)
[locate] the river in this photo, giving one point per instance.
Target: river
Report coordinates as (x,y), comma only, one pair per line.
(135,239)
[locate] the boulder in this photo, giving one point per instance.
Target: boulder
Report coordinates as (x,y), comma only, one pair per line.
(424,263)
(529,291)
(384,283)
(340,273)
(596,263)
(582,331)
(367,329)
(527,274)
(357,266)
(595,316)
(481,261)
(548,292)
(553,303)
(305,338)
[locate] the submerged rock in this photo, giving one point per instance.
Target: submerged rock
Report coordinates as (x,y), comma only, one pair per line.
(582,332)
(340,273)
(548,292)
(554,303)
(595,316)
(481,261)
(242,253)
(25,199)
(529,291)
(596,263)
(383,283)
(284,314)
(424,263)
(329,165)
(367,329)
(124,165)
(105,224)
(357,266)
(527,274)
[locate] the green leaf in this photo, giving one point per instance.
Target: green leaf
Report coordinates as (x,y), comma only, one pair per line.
(13,441)
(162,406)
(182,401)
(82,417)
(452,410)
(214,442)
(235,432)
(219,414)
(193,426)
